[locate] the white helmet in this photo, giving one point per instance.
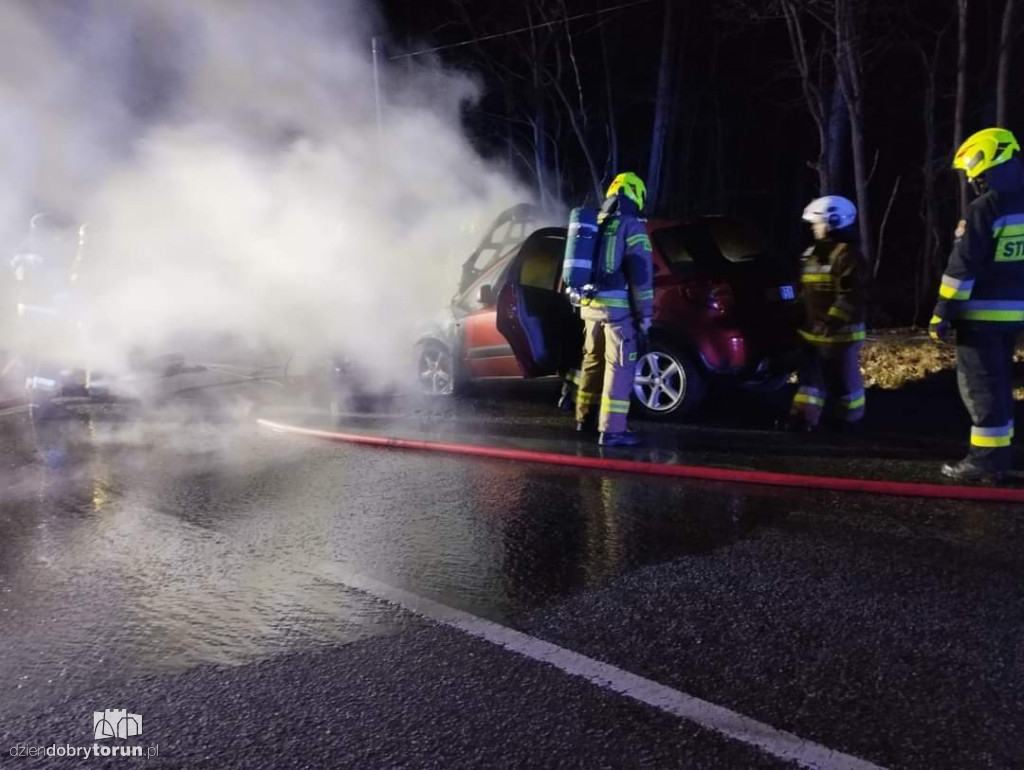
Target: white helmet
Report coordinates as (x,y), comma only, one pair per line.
(833,210)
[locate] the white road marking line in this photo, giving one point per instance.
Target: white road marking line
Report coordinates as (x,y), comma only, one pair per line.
(778,743)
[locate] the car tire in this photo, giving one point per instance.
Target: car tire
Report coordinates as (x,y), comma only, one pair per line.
(435,369)
(669,384)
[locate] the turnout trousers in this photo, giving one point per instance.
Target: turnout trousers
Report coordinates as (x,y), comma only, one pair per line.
(607,372)
(830,377)
(984,373)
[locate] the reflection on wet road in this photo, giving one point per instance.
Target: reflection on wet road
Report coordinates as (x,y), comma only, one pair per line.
(168,544)
(152,545)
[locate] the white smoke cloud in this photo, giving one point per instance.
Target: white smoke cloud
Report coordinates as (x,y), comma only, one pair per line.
(227,159)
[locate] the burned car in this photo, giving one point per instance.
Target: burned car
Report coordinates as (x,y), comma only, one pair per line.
(724,309)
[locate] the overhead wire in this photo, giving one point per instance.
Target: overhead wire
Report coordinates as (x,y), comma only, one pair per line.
(520,30)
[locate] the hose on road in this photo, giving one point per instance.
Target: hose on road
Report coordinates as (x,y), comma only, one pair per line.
(696,472)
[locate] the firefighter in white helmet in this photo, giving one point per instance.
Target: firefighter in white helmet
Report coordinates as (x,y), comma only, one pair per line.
(833,279)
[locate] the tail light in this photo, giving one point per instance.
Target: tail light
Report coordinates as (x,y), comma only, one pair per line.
(721,299)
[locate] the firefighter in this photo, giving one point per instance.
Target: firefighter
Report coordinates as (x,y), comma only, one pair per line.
(833,277)
(620,309)
(981,297)
(45,272)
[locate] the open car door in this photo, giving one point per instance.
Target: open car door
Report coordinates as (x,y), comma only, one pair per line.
(508,230)
(532,314)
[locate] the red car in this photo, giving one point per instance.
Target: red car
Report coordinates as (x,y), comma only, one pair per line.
(723,308)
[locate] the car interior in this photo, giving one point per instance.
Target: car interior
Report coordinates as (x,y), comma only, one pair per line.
(546,316)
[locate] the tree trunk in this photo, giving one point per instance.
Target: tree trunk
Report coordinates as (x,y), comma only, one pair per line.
(848,63)
(575,122)
(540,154)
(923,284)
(539,125)
(860,174)
(662,107)
(1005,56)
(812,96)
(613,129)
(510,138)
(838,138)
(961,94)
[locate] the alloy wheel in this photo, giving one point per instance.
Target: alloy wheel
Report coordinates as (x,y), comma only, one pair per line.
(660,382)
(435,371)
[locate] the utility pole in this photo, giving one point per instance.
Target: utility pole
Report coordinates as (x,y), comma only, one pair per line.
(378,52)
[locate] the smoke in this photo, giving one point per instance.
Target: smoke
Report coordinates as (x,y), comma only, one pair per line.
(226,156)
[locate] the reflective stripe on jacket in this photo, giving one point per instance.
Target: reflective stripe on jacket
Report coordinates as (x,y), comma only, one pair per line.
(832,279)
(625,271)
(983,284)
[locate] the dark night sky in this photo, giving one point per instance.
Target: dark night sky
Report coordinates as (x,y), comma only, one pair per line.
(742,135)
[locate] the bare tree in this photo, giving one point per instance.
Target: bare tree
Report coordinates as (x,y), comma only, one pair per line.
(811,33)
(577,119)
(1005,55)
(662,105)
(802,58)
(613,129)
(838,135)
(931,166)
(850,69)
(961,92)
(538,120)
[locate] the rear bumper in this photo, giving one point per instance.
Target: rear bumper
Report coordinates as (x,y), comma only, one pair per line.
(725,353)
(733,353)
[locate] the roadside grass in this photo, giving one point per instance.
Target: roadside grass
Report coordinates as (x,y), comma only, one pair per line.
(895,358)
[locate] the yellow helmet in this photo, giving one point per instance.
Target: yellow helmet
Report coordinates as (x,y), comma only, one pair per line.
(984,150)
(632,187)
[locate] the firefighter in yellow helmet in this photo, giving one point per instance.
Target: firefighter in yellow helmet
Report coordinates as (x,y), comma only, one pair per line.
(981,297)
(620,309)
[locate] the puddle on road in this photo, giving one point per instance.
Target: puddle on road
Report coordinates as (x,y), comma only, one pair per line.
(118,555)
(135,546)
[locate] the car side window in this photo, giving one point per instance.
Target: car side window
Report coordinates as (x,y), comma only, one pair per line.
(541,265)
(672,243)
(469,300)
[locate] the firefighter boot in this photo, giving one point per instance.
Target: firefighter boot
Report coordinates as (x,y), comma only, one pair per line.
(622,438)
(968,472)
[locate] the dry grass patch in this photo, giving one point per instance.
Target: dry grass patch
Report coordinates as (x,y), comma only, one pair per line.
(893,359)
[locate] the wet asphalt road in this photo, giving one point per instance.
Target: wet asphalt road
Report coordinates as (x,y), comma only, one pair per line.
(192,569)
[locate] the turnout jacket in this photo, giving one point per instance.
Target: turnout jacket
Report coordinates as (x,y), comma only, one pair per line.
(833,276)
(624,269)
(983,284)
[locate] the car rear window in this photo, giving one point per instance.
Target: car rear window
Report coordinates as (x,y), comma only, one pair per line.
(672,243)
(710,242)
(738,241)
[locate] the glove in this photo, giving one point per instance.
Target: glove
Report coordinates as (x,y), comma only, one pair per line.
(834,324)
(940,330)
(820,329)
(643,328)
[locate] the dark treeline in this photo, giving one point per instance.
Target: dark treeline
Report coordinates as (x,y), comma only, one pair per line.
(748,107)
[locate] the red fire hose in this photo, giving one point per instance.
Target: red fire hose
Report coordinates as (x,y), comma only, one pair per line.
(835,484)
